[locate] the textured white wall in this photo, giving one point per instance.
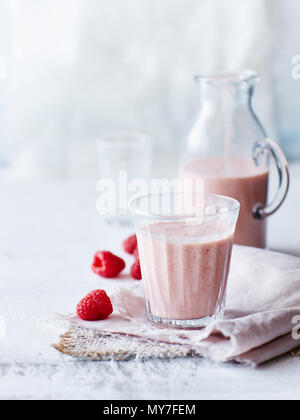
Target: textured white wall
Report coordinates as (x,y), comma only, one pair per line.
(285,18)
(78,68)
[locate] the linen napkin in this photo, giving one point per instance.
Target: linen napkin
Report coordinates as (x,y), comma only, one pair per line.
(261,317)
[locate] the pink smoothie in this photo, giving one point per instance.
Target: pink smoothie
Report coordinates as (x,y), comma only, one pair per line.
(240,179)
(185,268)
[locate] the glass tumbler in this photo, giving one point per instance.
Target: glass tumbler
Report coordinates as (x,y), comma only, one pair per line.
(185,256)
(124,163)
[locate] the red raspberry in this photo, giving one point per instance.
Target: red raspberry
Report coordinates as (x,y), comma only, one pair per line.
(107,264)
(95,306)
(136,270)
(130,244)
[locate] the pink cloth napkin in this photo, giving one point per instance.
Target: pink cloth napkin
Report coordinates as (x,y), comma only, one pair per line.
(260,322)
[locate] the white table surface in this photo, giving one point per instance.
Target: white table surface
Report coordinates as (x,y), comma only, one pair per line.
(49,233)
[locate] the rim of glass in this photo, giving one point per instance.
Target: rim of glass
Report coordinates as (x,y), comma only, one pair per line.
(140,213)
(124,138)
(233,78)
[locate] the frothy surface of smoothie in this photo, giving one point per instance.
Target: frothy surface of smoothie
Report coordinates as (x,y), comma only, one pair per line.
(240,179)
(185,268)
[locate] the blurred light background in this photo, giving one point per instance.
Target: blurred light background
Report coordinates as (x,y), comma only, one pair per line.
(73,69)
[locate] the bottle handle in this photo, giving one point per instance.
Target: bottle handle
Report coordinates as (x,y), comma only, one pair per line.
(261,151)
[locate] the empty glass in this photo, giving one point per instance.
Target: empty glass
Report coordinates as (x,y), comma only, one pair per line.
(124,164)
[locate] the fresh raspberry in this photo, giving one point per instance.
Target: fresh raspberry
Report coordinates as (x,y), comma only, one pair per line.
(95,306)
(107,264)
(136,270)
(130,244)
(136,253)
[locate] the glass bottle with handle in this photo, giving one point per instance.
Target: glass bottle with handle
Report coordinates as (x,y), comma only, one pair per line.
(230,151)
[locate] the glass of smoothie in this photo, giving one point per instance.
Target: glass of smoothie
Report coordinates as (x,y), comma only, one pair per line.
(185,252)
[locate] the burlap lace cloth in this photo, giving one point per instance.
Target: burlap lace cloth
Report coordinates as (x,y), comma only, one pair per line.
(86,343)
